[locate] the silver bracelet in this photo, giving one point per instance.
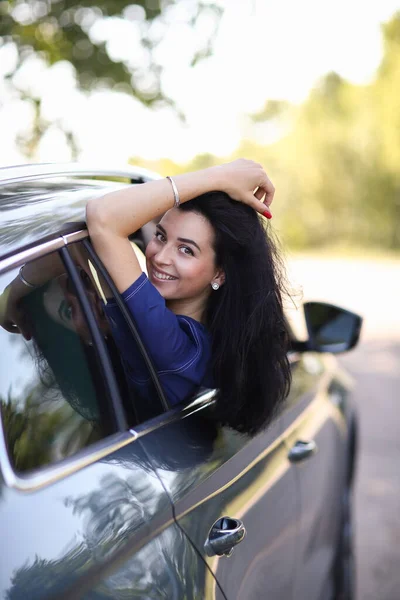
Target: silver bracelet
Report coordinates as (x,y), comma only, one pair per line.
(177,200)
(24,281)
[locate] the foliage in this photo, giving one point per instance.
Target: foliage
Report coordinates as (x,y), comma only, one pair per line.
(62,30)
(26,429)
(41,430)
(336,166)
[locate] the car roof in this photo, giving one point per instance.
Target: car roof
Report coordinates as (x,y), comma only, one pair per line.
(38,202)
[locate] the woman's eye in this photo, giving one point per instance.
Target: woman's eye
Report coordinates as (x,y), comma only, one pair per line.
(186,250)
(159,236)
(65,311)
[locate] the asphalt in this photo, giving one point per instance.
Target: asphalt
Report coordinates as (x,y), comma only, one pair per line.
(371,288)
(376,369)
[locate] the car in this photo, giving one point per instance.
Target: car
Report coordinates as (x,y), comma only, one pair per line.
(109,493)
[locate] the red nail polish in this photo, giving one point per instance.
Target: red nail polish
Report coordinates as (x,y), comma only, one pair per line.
(267,214)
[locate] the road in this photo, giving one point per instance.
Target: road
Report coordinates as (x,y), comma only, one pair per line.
(371,288)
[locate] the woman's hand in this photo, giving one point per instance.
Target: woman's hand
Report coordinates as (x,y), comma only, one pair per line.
(247,182)
(12,318)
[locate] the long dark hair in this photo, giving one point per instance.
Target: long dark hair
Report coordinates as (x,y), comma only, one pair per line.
(245,316)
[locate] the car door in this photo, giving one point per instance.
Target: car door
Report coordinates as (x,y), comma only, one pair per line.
(315,433)
(224,474)
(189,453)
(209,471)
(82,511)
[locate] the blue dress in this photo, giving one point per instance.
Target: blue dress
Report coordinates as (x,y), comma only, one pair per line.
(179,346)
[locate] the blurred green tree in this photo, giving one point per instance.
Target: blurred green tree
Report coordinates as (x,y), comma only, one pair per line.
(62,30)
(385,134)
(336,166)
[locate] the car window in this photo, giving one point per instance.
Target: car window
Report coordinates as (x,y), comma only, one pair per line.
(137,387)
(52,392)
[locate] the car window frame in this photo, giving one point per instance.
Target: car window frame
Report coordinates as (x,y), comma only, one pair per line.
(113,402)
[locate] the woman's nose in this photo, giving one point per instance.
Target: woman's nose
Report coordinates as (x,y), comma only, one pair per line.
(163,256)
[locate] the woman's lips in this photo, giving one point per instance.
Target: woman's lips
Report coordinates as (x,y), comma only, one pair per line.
(160,276)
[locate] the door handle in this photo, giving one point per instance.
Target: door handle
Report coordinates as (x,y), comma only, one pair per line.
(224,535)
(302,450)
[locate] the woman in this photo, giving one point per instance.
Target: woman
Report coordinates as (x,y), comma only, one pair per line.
(210,311)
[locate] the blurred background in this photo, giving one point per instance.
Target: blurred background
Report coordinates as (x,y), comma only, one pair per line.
(311,90)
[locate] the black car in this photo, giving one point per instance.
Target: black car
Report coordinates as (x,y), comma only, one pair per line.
(107,494)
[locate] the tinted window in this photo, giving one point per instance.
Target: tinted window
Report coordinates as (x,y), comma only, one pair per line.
(137,389)
(52,394)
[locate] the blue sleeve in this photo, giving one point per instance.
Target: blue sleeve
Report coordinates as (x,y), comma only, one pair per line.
(179,346)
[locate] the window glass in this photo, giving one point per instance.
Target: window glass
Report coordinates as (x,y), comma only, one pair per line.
(52,393)
(137,390)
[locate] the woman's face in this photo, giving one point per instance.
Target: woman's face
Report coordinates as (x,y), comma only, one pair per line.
(180,257)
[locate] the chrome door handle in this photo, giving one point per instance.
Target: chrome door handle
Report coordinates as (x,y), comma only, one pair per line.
(302,450)
(224,535)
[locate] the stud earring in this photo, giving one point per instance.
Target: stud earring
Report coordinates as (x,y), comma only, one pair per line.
(215,285)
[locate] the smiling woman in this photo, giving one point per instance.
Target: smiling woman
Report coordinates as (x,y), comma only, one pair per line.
(183,268)
(210,310)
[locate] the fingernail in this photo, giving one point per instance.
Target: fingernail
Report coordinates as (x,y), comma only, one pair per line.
(267,214)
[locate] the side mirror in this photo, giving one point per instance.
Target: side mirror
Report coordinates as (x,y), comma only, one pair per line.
(331,328)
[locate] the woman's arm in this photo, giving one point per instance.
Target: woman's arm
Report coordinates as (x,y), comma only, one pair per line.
(113,217)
